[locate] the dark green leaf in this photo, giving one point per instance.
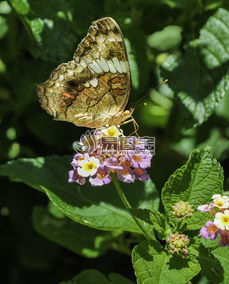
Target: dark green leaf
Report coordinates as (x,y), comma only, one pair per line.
(200,91)
(222,255)
(94,207)
(75,237)
(88,276)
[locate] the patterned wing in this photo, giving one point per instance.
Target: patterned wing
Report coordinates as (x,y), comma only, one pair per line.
(93,89)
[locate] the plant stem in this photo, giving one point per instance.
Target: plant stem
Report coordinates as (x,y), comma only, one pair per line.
(127,206)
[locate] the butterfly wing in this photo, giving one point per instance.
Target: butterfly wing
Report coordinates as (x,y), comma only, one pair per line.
(93,89)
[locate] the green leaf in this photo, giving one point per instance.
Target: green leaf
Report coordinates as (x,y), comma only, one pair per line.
(166,39)
(91,276)
(3,27)
(222,255)
(200,77)
(98,208)
(195,182)
(119,279)
(5,8)
(159,223)
(82,240)
(21,6)
(210,266)
(153,265)
(88,276)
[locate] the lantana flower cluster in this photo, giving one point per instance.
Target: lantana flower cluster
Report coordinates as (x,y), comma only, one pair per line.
(219,209)
(178,244)
(98,164)
(182,210)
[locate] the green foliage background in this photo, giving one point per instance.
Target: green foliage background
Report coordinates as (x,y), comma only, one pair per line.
(184,41)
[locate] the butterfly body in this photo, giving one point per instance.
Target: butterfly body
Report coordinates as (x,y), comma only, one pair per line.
(92,90)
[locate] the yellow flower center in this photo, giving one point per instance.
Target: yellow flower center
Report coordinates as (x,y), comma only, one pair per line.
(137,158)
(225,219)
(89,166)
(219,203)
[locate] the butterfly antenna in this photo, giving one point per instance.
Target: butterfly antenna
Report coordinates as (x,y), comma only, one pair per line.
(142,99)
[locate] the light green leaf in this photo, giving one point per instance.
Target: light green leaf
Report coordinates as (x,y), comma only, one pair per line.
(153,265)
(98,208)
(200,91)
(166,39)
(21,6)
(195,182)
(82,240)
(222,255)
(5,8)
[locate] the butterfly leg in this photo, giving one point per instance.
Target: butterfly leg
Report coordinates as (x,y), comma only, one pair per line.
(135,124)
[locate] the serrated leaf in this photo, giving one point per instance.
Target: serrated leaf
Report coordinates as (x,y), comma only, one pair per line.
(222,255)
(195,182)
(98,208)
(159,223)
(79,239)
(200,78)
(153,265)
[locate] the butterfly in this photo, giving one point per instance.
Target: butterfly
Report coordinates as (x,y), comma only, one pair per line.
(93,89)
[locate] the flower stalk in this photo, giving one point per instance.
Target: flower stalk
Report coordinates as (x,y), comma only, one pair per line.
(127,205)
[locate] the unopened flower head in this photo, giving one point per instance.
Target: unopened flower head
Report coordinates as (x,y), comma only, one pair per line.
(182,210)
(98,166)
(222,220)
(220,201)
(178,244)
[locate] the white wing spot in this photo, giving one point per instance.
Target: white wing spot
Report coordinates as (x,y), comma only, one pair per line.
(103,64)
(123,65)
(61,78)
(94,82)
(87,85)
(95,67)
(70,73)
(83,64)
(111,66)
(117,64)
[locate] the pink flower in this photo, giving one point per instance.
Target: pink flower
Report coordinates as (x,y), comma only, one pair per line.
(73,176)
(112,163)
(209,231)
(205,207)
(141,174)
(102,177)
(140,160)
(126,175)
